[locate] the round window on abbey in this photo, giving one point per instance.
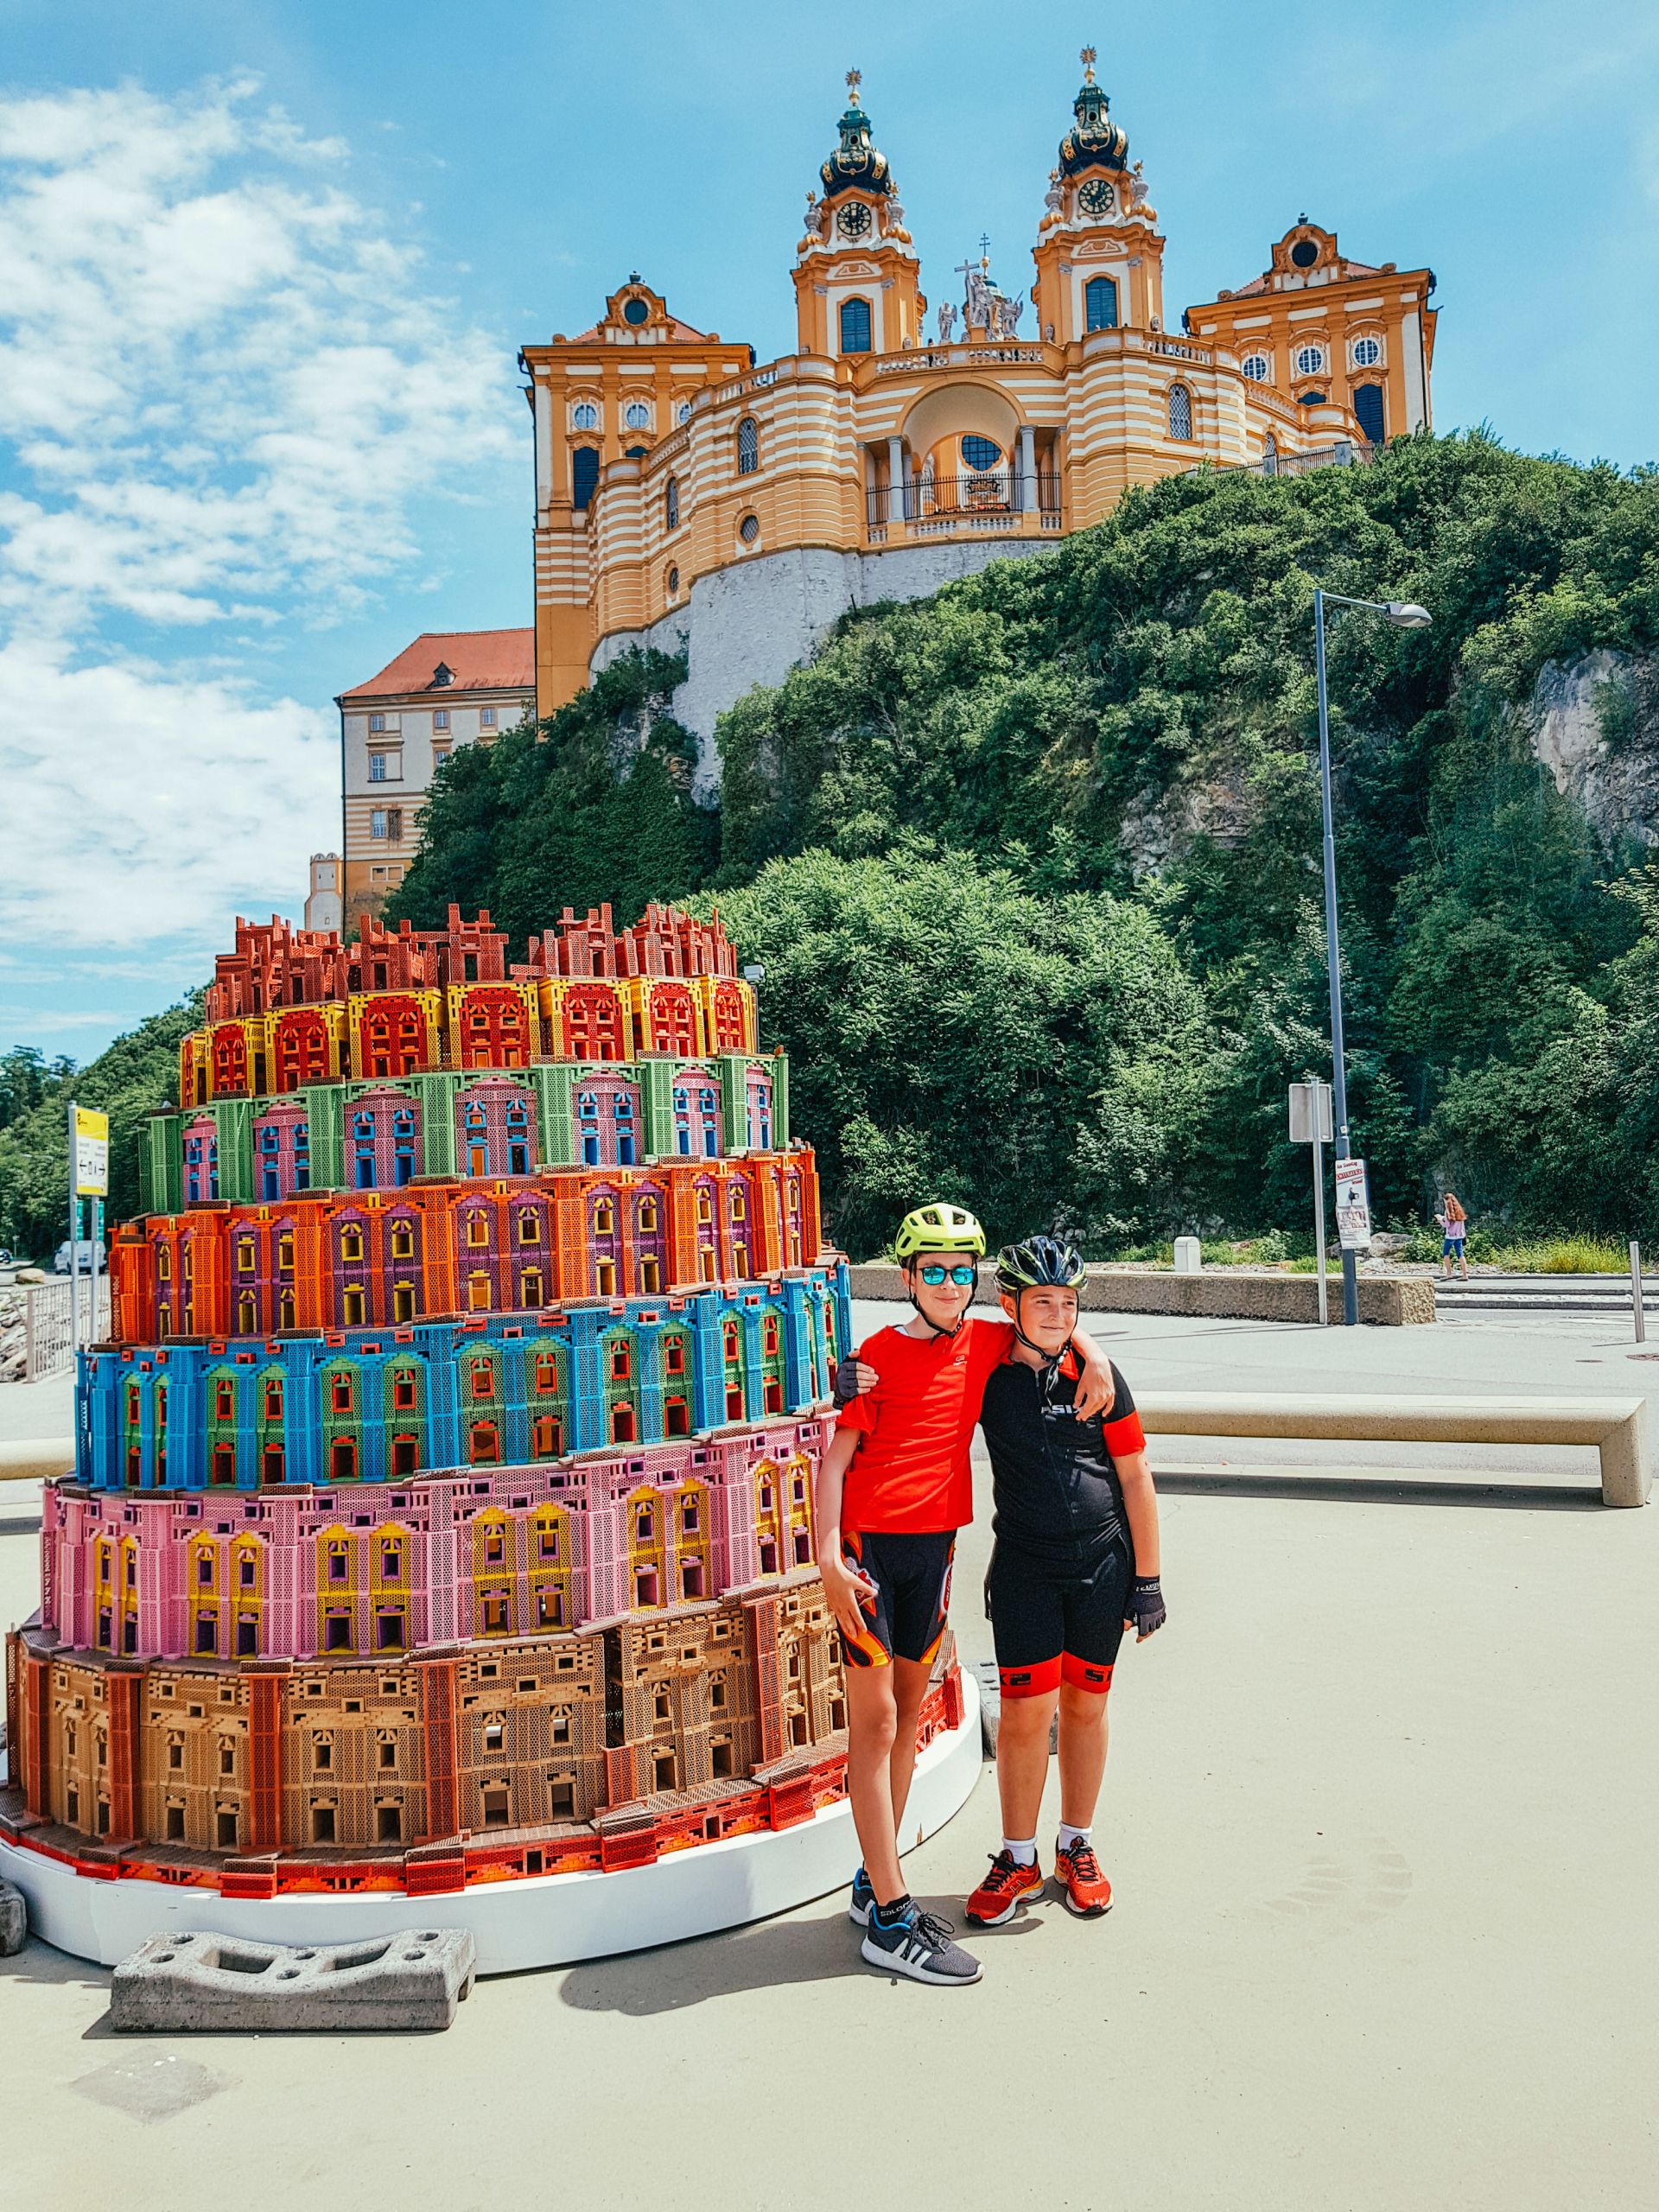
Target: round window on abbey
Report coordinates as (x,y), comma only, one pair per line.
(584,415)
(636,311)
(1367,353)
(980,453)
(637,415)
(673,583)
(1257,367)
(749,529)
(683,412)
(1305,253)
(1310,360)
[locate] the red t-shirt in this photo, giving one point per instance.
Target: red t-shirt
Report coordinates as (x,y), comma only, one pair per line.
(911,1475)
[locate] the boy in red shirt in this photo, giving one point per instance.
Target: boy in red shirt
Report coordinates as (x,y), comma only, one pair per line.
(892,1491)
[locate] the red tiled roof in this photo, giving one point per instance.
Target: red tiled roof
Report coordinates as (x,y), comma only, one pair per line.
(479,661)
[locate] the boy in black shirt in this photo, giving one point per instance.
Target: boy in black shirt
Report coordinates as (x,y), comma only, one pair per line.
(1075,1564)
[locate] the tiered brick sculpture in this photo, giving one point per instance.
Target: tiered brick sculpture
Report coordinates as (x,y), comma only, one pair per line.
(443,1502)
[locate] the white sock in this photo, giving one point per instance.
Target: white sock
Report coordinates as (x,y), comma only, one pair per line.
(1023,1855)
(1069,1837)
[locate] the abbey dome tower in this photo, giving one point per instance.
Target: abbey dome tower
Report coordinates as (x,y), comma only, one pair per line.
(689,498)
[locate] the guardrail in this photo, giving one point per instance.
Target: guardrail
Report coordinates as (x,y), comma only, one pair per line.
(1618,1427)
(38,1314)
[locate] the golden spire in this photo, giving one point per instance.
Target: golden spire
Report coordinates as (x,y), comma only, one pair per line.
(1087,58)
(854,79)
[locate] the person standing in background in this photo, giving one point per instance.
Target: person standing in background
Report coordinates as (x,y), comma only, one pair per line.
(1454,1229)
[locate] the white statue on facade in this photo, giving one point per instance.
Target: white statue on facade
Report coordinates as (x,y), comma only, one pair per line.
(947,322)
(1137,187)
(975,313)
(1008,311)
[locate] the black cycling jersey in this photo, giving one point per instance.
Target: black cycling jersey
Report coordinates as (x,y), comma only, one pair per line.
(1055,1488)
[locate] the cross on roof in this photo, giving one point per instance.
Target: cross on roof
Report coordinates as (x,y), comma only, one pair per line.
(1087,58)
(854,79)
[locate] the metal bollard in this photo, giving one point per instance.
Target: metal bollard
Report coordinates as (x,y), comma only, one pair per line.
(1640,1318)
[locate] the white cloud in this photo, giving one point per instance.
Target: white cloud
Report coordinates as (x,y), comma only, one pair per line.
(231,398)
(156,805)
(223,377)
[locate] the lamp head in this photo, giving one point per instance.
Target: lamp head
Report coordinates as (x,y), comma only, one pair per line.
(1406,614)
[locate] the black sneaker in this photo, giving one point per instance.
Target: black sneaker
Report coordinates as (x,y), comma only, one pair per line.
(863,1897)
(920,1946)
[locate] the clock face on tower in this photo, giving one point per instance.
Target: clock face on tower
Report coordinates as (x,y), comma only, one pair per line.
(853,220)
(1097,197)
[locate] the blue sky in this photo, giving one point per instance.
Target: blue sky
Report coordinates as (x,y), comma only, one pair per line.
(265,266)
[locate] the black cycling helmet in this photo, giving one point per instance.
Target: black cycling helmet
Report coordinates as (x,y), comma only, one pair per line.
(1040,1263)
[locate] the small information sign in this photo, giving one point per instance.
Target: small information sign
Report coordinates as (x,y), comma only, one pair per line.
(89,1133)
(1353,1206)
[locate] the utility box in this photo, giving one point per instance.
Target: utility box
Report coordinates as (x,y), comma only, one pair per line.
(1189,1256)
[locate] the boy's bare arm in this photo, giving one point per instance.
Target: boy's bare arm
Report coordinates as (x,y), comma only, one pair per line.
(1096,1389)
(841,1582)
(1141,1503)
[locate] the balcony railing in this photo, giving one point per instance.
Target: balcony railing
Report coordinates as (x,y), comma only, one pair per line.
(993,499)
(1346,452)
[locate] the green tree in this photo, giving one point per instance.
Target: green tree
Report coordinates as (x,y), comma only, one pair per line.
(950,1034)
(593,806)
(137,1073)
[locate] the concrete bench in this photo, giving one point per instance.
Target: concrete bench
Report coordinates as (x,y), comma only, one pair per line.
(1618,1427)
(36,1457)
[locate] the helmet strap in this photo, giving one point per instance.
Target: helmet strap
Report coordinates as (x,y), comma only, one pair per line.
(1051,1359)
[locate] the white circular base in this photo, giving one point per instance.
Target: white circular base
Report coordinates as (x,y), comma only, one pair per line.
(539,1921)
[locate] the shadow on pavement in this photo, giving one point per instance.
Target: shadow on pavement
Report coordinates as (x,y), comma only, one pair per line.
(38,1962)
(1554,1497)
(769,1955)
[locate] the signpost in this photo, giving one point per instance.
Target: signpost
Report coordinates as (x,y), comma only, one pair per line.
(89,1180)
(1310,1124)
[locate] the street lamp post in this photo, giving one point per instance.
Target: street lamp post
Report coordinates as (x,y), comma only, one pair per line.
(1404,615)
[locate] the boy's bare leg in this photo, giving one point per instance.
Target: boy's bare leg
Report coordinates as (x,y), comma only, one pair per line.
(1022,1761)
(910,1681)
(1083,1754)
(872,1736)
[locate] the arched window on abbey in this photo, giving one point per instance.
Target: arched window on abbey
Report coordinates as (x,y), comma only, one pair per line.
(855,326)
(1180,411)
(672,504)
(748,444)
(1100,304)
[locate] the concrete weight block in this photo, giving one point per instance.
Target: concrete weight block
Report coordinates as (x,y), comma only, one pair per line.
(14,1921)
(990,1709)
(221,1984)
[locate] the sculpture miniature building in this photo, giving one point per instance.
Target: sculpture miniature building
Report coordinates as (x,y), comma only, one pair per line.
(442,1512)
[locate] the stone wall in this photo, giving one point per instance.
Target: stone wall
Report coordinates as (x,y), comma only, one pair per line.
(753,622)
(1595,727)
(1233,1293)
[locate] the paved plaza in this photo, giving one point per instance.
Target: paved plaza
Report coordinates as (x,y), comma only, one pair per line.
(1380,1817)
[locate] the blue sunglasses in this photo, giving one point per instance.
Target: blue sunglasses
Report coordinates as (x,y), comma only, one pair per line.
(933,1275)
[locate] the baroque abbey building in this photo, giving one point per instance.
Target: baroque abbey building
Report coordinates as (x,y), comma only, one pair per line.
(687,498)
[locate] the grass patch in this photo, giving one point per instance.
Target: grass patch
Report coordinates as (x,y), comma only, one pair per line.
(1564,1255)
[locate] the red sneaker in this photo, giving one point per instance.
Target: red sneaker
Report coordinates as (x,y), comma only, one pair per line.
(1003,1891)
(1088,1892)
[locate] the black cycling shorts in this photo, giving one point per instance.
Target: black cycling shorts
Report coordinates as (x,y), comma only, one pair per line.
(1057,1620)
(906,1618)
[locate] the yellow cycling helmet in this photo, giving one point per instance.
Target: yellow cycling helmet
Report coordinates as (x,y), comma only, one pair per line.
(938,1228)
